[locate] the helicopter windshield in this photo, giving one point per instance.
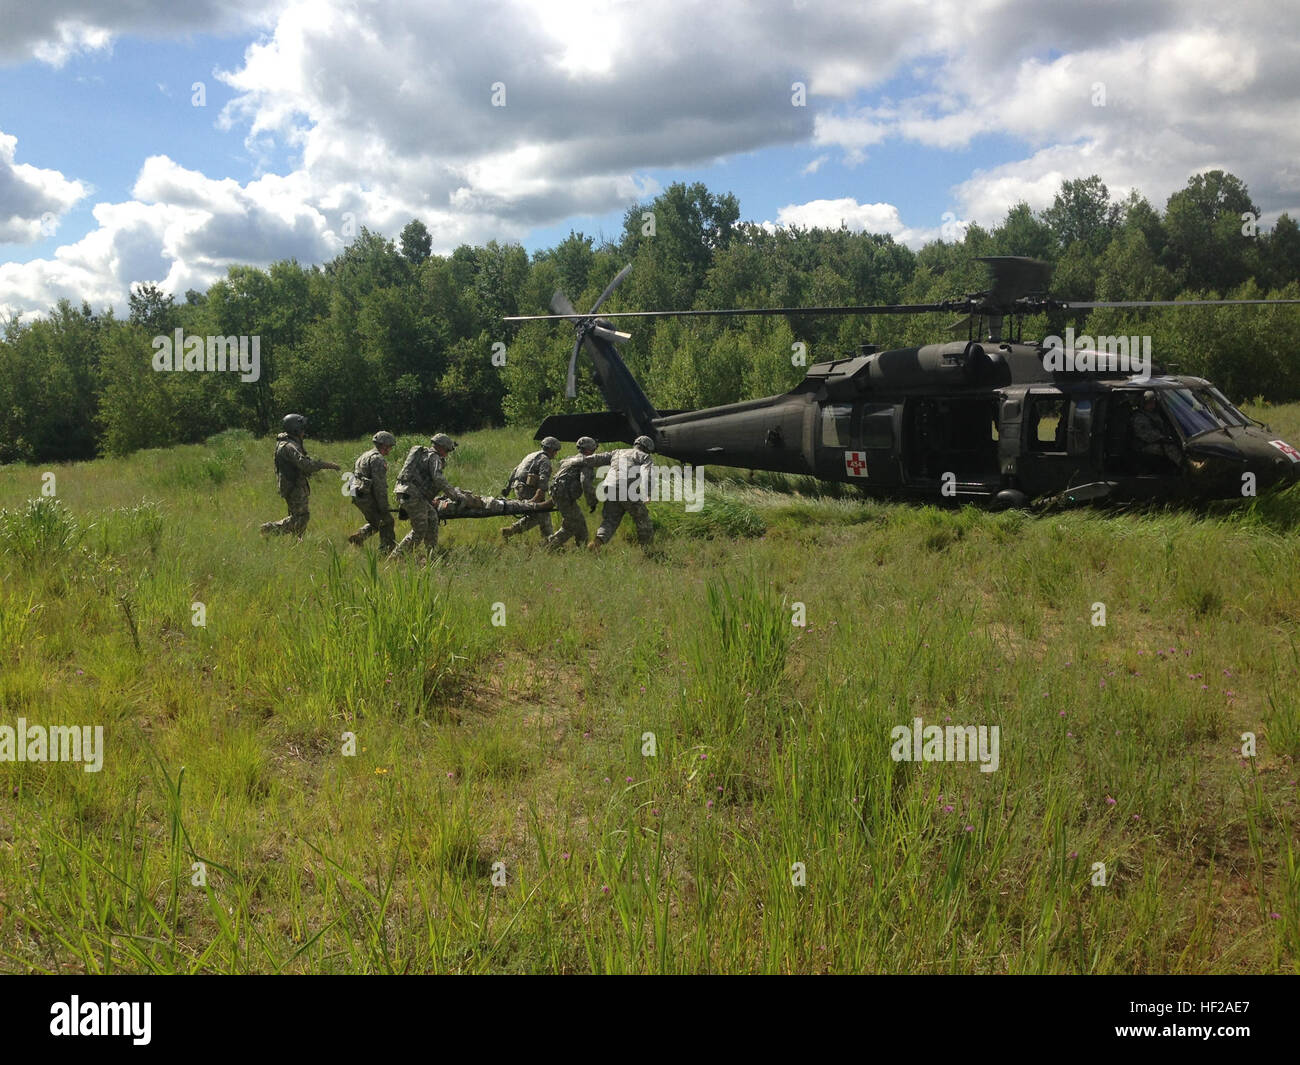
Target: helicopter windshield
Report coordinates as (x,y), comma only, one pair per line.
(1201,410)
(1226,410)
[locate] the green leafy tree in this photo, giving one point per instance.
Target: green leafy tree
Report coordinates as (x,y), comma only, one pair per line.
(536,364)
(152,308)
(369,262)
(1282,254)
(1082,213)
(672,240)
(416,242)
(573,258)
(138,406)
(50,380)
(1207,248)
(471,388)
(1024,234)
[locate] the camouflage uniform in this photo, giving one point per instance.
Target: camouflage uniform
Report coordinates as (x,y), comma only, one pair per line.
(292,468)
(370,484)
(531,476)
(1153,438)
(625,477)
(426,480)
(575,479)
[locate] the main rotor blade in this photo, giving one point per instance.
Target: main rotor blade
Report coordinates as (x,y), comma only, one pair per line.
(571,381)
(560,305)
(613,335)
(894,308)
(610,287)
(1073,305)
(968,305)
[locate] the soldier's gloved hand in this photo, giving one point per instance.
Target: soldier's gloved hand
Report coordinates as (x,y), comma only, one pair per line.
(540,496)
(331,465)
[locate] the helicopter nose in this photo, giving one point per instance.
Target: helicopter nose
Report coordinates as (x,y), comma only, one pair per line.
(1226,466)
(1273,470)
(1287,470)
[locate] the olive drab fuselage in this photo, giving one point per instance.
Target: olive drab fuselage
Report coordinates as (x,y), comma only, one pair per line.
(963,422)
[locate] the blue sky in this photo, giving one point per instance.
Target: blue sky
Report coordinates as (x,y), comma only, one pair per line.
(99,116)
(321,117)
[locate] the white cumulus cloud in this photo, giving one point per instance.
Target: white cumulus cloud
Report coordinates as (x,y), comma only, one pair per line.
(858,217)
(31,199)
(387,112)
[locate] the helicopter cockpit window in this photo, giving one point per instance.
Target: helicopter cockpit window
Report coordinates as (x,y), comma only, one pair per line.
(1222,406)
(1199,410)
(837,426)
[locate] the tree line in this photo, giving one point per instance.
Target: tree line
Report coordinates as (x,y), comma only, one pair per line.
(388,335)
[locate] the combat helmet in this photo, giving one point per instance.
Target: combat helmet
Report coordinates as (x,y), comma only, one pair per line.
(644,443)
(384,438)
(443,440)
(550,444)
(294,424)
(586,443)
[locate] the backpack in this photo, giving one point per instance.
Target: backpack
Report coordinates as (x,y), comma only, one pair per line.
(567,483)
(527,466)
(362,482)
(415,470)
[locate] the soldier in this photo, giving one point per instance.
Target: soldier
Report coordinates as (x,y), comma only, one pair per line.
(419,481)
(576,479)
(626,485)
(1150,433)
(532,476)
(292,468)
(369,491)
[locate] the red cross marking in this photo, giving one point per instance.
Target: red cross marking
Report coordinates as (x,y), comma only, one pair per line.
(1286,450)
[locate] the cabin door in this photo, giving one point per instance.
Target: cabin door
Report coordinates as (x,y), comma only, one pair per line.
(952,438)
(1056,442)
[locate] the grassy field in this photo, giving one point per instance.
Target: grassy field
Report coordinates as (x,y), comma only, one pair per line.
(648,767)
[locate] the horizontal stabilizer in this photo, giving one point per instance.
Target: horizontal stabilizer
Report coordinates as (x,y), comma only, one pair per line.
(606,426)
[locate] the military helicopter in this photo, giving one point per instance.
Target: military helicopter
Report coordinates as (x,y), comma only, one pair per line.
(996,421)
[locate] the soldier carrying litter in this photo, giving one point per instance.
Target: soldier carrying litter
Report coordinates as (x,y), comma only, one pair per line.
(419,482)
(575,480)
(532,476)
(626,486)
(369,491)
(293,467)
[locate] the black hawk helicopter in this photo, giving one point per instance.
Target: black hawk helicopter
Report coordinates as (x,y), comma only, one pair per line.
(993,421)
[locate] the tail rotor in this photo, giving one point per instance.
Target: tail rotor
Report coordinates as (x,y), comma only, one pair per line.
(587,325)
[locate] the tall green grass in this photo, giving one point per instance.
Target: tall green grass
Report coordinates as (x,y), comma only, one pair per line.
(650,765)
